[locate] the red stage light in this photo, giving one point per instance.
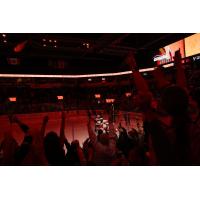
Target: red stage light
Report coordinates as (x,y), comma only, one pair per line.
(128,94)
(60,97)
(20,47)
(110,100)
(97,96)
(12,99)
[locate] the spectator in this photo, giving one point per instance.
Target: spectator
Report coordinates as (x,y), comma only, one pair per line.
(105,147)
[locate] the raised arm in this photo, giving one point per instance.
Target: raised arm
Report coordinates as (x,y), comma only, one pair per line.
(63,139)
(62,128)
(91,133)
(161,81)
(139,81)
(44,124)
(24,148)
(180,72)
(144,96)
(81,156)
(24,127)
(112,130)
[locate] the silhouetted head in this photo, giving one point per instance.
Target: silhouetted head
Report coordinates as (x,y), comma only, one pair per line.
(143,100)
(123,135)
(51,140)
(104,139)
(122,130)
(99,133)
(175,101)
(75,144)
(133,133)
(195,94)
(53,149)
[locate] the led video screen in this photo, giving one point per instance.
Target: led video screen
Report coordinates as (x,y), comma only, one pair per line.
(166,54)
(192,45)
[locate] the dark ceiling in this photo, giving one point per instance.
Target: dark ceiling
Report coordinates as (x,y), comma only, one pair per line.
(80,53)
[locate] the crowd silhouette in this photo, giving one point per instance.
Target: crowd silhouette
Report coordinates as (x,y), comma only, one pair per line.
(171,131)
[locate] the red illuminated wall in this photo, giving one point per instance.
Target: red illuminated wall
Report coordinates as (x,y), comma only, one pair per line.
(75,123)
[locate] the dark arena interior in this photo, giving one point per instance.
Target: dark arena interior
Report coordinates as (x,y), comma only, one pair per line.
(99,99)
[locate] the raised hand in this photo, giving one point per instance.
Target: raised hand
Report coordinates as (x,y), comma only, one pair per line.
(63,116)
(181,79)
(177,57)
(130,60)
(44,123)
(89,115)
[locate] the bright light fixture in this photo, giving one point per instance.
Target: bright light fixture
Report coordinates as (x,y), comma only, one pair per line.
(12,99)
(97,96)
(60,97)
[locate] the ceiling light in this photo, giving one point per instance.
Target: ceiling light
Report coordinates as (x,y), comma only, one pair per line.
(4,35)
(103,79)
(89,79)
(97,96)
(110,100)
(5,41)
(44,40)
(60,97)
(55,46)
(50,40)
(44,45)
(55,41)
(12,99)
